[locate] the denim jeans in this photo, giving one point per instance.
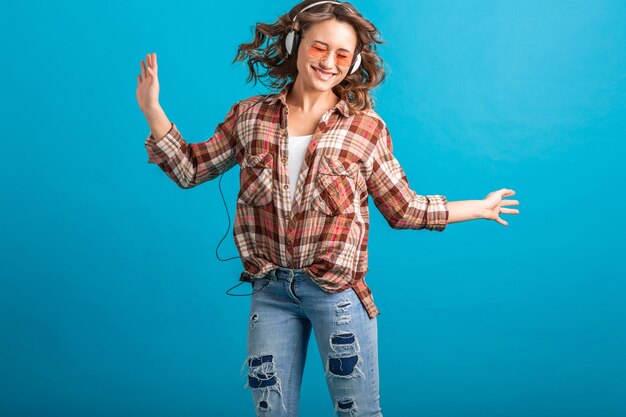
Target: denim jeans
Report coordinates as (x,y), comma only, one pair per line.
(285,305)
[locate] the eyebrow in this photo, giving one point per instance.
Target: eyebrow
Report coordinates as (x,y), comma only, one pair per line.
(325,44)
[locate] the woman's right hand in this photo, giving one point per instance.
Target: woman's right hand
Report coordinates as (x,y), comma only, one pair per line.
(148,84)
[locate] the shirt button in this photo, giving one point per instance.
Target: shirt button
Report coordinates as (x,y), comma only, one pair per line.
(286,187)
(288,216)
(284,159)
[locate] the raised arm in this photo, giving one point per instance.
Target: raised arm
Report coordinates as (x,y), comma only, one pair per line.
(191,164)
(187,164)
(402,207)
(148,96)
(405,209)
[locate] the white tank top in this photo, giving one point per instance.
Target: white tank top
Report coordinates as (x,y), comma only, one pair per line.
(297,151)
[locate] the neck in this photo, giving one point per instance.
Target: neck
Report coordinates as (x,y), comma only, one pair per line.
(307,99)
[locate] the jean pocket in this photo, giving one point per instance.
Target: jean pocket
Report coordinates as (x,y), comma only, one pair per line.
(255,180)
(334,189)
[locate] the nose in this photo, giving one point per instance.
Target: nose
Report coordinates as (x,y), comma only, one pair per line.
(329,61)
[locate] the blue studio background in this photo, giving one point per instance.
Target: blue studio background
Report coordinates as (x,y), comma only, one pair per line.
(112,302)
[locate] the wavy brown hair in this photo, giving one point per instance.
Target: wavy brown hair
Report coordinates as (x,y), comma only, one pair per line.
(267,50)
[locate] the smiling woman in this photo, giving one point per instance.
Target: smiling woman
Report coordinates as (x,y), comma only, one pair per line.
(314,54)
(310,157)
(274,47)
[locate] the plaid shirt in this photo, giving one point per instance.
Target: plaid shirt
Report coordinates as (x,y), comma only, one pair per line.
(326,231)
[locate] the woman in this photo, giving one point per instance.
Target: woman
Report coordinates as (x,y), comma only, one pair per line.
(310,155)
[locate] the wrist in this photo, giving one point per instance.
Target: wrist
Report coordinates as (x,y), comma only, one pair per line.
(153,110)
(480,210)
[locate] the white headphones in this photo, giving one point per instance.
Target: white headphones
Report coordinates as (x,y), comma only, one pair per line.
(292,41)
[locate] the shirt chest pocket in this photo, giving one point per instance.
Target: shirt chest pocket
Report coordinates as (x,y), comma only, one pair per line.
(255,180)
(334,187)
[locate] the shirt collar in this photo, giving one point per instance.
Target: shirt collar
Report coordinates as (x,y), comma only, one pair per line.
(342,105)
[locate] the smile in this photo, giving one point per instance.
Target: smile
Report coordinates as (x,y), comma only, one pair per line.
(323,74)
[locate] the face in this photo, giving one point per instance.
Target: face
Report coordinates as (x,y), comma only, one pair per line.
(340,40)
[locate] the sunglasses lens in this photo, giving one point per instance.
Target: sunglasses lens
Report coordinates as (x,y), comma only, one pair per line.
(318,51)
(344,59)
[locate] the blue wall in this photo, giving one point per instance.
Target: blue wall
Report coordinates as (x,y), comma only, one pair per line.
(112,301)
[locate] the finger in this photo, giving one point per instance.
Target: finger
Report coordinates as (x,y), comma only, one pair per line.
(138,78)
(151,72)
(154,62)
(151,61)
(509,211)
(502,222)
(509,202)
(143,69)
(148,60)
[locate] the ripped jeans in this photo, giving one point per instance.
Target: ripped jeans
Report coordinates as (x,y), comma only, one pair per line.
(283,311)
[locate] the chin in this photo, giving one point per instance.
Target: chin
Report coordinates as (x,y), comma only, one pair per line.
(322,86)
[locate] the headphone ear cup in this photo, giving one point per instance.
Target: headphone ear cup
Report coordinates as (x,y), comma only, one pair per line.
(289,42)
(292,41)
(296,43)
(356,65)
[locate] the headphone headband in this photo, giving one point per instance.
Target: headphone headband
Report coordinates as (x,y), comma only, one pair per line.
(315,4)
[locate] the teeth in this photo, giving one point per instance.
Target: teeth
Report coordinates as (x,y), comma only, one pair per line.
(324,75)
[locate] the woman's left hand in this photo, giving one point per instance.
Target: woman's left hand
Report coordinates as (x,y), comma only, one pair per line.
(492,205)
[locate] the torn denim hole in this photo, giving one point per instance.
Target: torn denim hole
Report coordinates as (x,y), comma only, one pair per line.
(262,377)
(253,319)
(341,308)
(345,405)
(263,405)
(343,362)
(343,319)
